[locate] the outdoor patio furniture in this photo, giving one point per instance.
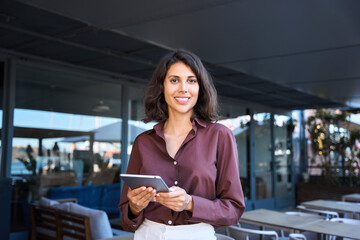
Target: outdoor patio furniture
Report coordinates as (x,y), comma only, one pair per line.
(103,197)
(331,205)
(297,236)
(355,197)
(304,214)
(55,220)
(241,233)
(328,214)
(223,237)
(346,221)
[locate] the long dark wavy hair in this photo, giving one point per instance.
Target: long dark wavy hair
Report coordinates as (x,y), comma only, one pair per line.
(206,107)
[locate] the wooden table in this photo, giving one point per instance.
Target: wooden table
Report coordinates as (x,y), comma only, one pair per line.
(332,228)
(355,197)
(275,219)
(335,206)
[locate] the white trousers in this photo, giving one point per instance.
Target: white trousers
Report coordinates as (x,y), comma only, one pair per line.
(150,230)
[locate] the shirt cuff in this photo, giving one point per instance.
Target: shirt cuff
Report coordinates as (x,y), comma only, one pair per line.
(201,209)
(131,224)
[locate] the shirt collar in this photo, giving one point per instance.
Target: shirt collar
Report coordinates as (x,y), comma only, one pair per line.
(158,128)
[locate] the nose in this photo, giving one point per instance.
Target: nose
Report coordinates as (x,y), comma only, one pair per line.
(184,87)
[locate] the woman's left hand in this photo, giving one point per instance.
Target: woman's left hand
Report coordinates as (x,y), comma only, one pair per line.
(177,199)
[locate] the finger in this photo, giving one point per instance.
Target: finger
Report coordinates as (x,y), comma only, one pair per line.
(141,192)
(173,193)
(146,196)
(138,190)
(140,199)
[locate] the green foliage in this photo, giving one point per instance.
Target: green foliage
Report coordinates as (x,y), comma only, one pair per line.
(331,144)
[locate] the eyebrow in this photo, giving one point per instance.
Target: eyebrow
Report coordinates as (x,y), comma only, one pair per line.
(176,76)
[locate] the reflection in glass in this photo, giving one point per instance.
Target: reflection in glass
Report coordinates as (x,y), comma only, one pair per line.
(58,130)
(263,174)
(240,128)
(282,152)
(136,95)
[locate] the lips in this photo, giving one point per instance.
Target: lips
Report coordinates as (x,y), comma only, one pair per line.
(182,100)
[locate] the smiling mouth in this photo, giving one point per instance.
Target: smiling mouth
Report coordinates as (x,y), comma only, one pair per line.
(182,100)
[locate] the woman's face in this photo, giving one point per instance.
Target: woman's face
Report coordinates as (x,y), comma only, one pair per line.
(181,89)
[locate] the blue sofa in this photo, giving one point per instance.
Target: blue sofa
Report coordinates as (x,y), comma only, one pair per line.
(103,197)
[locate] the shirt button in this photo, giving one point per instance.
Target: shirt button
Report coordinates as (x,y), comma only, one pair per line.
(176,182)
(169,222)
(175,162)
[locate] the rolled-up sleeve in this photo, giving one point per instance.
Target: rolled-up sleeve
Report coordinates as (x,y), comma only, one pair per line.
(228,206)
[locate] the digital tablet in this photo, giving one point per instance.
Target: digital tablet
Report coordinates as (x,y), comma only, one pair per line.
(136,180)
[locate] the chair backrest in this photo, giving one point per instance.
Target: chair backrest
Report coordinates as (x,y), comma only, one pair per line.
(74,225)
(43,223)
(53,224)
(223,237)
(328,214)
(297,236)
(239,232)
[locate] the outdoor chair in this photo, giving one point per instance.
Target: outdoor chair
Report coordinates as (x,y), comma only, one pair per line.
(58,219)
(297,236)
(223,237)
(240,233)
(328,214)
(346,221)
(305,214)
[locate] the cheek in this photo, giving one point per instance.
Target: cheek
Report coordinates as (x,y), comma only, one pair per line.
(196,92)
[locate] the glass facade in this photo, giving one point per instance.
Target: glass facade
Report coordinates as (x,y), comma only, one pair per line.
(67,132)
(283,155)
(263,159)
(70,122)
(239,125)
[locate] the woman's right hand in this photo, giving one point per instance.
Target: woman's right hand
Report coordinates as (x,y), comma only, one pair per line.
(139,198)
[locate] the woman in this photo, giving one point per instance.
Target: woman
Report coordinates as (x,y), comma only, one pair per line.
(195,156)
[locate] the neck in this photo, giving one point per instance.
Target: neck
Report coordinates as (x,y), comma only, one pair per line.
(172,125)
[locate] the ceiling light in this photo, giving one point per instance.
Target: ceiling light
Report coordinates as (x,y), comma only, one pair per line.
(100,107)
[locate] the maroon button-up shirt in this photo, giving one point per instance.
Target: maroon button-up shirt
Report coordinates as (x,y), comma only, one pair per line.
(206,166)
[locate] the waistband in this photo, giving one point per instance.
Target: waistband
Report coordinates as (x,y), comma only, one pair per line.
(187,227)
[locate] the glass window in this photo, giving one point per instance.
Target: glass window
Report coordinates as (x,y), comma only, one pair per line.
(263,173)
(66,132)
(283,153)
(137,114)
(237,120)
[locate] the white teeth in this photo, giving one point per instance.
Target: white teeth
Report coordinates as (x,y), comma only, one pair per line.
(182,99)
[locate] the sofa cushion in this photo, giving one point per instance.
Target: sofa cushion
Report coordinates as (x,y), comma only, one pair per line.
(46,202)
(104,197)
(99,221)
